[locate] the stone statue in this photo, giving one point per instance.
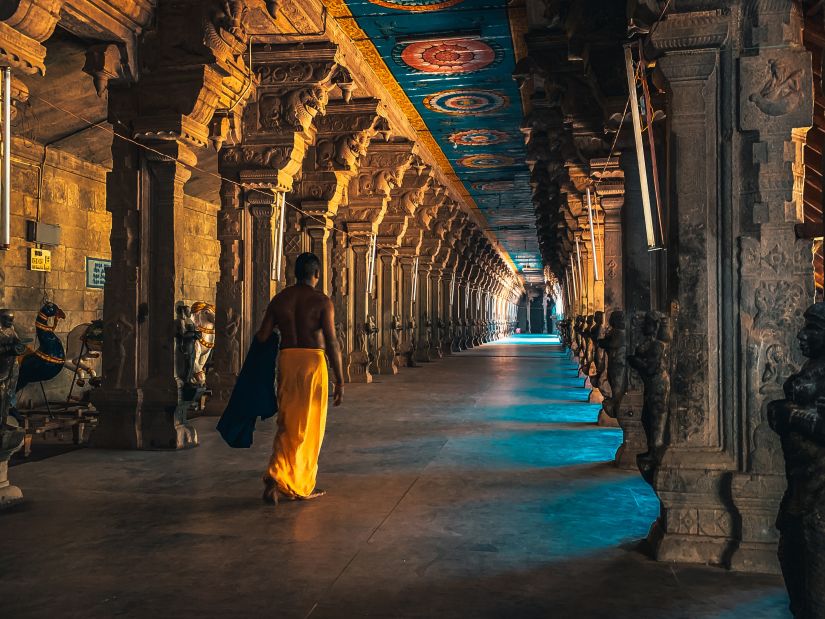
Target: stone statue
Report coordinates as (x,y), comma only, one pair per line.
(596,333)
(203,317)
(185,336)
(587,343)
(411,343)
(11,434)
(799,420)
(395,334)
(372,343)
(652,361)
(614,346)
(11,347)
(84,344)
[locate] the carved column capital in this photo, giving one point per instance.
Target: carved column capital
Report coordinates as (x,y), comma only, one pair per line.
(24,26)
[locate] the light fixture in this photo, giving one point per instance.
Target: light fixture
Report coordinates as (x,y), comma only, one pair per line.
(593,237)
(640,153)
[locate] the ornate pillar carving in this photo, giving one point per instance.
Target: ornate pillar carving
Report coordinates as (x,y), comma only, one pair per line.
(24,27)
(775,268)
(344,135)
(292,89)
(139,402)
(381,172)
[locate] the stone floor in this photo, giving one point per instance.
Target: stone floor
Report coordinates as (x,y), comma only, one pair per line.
(476,486)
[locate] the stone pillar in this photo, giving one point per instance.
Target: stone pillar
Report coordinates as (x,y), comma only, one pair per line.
(344,135)
(775,268)
(388,304)
(363,347)
(610,191)
(138,401)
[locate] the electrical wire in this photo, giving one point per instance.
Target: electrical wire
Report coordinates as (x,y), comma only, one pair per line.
(106,129)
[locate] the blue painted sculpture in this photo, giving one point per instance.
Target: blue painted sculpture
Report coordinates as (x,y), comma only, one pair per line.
(47,361)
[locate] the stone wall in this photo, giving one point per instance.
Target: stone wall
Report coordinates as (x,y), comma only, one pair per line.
(73,195)
(201,250)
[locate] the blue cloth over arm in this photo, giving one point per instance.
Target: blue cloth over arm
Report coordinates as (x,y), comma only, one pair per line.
(254,393)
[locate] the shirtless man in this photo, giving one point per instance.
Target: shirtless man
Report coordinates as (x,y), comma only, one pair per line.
(306,320)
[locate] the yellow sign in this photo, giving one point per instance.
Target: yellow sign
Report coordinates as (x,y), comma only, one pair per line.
(40,259)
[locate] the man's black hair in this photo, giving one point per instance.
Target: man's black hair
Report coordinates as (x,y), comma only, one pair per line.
(306,266)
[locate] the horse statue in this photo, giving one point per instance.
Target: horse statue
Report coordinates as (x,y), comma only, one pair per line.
(203,315)
(45,363)
(84,344)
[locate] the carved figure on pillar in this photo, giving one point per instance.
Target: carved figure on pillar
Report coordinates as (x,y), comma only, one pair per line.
(411,343)
(799,419)
(185,336)
(11,435)
(614,346)
(599,365)
(652,361)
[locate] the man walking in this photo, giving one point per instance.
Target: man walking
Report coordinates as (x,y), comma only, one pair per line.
(305,318)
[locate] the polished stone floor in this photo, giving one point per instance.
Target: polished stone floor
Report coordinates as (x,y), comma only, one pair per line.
(477,486)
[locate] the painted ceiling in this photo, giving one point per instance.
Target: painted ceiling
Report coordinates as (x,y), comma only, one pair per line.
(454,60)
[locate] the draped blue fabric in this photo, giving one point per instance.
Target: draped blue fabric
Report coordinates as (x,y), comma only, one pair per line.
(254,393)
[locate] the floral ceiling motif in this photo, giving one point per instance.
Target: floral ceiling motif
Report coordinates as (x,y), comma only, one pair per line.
(448,56)
(454,62)
(465,101)
(479,137)
(416,5)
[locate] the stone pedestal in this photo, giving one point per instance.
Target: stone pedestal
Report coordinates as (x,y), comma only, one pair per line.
(11,441)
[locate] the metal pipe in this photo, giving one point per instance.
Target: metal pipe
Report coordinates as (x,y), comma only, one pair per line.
(5,218)
(640,152)
(579,265)
(415,280)
(279,240)
(593,237)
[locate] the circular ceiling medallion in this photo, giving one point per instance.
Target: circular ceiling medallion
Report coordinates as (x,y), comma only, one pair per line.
(416,5)
(448,56)
(494,185)
(461,101)
(479,137)
(486,161)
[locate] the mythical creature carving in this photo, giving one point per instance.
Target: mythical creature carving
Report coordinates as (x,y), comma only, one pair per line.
(344,151)
(614,345)
(799,419)
(782,91)
(203,315)
(84,344)
(652,361)
(295,109)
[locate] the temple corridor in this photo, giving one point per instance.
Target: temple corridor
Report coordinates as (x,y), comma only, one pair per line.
(478,486)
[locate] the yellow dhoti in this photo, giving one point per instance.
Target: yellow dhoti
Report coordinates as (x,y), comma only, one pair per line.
(303,389)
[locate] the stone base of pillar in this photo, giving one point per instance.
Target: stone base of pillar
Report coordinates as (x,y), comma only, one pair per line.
(129,420)
(221,387)
(606,421)
(423,355)
(695,525)
(756,498)
(388,365)
(634,441)
(11,440)
(358,368)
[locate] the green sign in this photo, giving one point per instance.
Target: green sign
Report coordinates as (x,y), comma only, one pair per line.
(96,272)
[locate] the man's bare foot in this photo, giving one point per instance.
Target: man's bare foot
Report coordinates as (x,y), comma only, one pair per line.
(271,493)
(317,493)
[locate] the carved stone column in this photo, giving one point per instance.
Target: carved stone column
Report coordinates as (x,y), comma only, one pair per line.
(363,347)
(696,523)
(775,268)
(138,401)
(610,192)
(24,27)
(381,172)
(344,135)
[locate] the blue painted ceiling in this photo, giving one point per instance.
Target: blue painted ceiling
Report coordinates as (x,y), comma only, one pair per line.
(455,59)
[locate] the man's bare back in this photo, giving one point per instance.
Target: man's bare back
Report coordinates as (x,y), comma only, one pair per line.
(305,318)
